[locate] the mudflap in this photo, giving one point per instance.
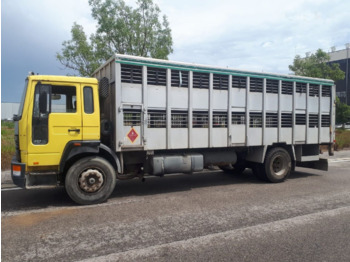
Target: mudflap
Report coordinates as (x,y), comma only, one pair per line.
(321,164)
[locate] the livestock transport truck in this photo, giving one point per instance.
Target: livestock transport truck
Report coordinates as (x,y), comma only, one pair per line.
(142,116)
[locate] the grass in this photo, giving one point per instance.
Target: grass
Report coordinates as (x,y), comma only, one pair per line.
(7,144)
(342,138)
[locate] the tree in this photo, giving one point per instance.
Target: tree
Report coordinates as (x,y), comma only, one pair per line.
(342,112)
(78,54)
(120,29)
(316,65)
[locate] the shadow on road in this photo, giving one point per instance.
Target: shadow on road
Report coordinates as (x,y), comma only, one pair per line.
(18,200)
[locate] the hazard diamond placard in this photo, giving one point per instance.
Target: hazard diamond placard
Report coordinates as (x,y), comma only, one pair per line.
(132,135)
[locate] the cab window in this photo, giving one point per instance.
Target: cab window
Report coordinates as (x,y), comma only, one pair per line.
(63,99)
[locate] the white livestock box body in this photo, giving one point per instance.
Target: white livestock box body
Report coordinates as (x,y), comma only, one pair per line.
(164,105)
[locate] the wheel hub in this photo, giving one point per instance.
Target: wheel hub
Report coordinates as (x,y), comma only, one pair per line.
(278,166)
(91,180)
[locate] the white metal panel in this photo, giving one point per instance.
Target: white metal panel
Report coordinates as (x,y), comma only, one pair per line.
(156,96)
(238,97)
(325,104)
(300,131)
(179,138)
(200,98)
(220,99)
(313,104)
(255,101)
(219,137)
(312,136)
(325,135)
(286,103)
(200,138)
(270,135)
(300,101)
(179,98)
(271,102)
(238,134)
(255,136)
(156,138)
(286,135)
(131,93)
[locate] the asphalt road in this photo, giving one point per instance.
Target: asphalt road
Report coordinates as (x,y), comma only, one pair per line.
(209,216)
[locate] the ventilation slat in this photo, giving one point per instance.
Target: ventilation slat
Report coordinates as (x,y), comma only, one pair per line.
(256,84)
(238,118)
(271,120)
(255,120)
(287,88)
(219,119)
(313,90)
(200,119)
(286,120)
(131,74)
(179,119)
(156,76)
(220,81)
(300,119)
(200,80)
(301,88)
(239,82)
(272,86)
(179,78)
(156,119)
(313,120)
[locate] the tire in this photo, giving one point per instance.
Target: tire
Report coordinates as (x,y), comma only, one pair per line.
(233,169)
(276,167)
(277,164)
(91,180)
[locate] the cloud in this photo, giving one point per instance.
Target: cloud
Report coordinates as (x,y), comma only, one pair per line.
(252,34)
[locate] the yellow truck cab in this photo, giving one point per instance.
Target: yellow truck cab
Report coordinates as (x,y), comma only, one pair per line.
(57,114)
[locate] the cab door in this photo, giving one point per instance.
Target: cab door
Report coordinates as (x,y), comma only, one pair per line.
(90,113)
(56,120)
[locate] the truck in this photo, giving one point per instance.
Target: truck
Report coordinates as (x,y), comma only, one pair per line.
(140,117)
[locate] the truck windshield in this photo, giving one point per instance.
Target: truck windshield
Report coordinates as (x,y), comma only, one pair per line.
(20,110)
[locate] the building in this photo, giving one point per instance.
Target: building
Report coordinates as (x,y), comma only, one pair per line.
(342,57)
(8,110)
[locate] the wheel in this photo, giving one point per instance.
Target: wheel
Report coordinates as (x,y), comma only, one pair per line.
(233,169)
(277,165)
(91,180)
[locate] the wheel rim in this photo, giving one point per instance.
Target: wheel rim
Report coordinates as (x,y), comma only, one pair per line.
(91,181)
(279,166)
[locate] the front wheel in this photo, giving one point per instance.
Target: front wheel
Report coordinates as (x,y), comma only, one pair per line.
(91,180)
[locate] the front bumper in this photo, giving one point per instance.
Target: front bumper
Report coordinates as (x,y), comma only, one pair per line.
(18,171)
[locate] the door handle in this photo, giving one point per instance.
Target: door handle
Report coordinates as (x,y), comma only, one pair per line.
(74,130)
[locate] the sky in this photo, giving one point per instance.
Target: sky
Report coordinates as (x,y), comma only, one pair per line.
(256,35)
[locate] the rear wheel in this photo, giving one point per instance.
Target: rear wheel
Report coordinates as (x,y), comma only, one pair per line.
(276,168)
(90,180)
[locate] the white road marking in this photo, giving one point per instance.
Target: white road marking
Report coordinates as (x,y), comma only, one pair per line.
(337,160)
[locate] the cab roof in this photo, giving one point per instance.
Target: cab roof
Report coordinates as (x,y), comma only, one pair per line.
(71,79)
